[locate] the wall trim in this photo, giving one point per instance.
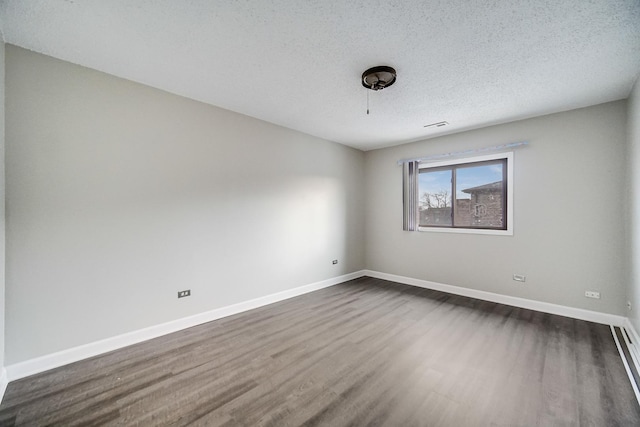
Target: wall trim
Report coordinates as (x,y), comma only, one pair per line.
(54,360)
(634,345)
(545,307)
(624,361)
(631,330)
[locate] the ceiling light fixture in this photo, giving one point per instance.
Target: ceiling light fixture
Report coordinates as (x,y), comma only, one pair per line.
(378,78)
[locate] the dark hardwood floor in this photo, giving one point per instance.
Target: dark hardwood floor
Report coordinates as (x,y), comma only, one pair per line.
(366,352)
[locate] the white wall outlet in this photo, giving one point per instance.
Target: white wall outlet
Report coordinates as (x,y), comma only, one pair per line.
(592,294)
(519,277)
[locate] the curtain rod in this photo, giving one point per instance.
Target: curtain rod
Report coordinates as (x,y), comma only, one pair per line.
(466,152)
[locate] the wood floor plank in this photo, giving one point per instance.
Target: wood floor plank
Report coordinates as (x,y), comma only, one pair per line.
(366,352)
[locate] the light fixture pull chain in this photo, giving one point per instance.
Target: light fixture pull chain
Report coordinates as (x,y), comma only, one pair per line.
(368,102)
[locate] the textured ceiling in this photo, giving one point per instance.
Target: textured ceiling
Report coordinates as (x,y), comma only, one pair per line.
(298,63)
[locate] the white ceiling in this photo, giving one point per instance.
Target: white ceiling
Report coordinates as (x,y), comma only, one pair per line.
(298,63)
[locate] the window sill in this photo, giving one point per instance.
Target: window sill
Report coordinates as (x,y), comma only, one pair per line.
(507,232)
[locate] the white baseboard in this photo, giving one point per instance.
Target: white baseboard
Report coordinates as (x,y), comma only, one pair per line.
(632,331)
(634,386)
(61,358)
(64,357)
(545,307)
(4,382)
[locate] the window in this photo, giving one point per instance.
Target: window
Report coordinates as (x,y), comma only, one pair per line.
(472,195)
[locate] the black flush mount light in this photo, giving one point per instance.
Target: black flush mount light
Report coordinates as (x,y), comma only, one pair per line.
(378,78)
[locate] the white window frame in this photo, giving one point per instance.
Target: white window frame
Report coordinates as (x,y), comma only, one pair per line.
(461,161)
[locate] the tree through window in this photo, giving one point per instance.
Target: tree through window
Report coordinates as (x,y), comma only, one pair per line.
(464,195)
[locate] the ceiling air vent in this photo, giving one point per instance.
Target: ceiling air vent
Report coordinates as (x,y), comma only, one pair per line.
(437,125)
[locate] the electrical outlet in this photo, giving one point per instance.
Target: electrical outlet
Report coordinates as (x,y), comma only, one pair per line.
(592,294)
(519,277)
(182,294)
(334,262)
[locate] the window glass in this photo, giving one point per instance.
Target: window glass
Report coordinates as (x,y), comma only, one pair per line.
(465,195)
(479,196)
(435,198)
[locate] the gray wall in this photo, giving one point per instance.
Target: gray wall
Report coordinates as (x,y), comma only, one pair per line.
(2,197)
(120,195)
(568,225)
(633,234)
